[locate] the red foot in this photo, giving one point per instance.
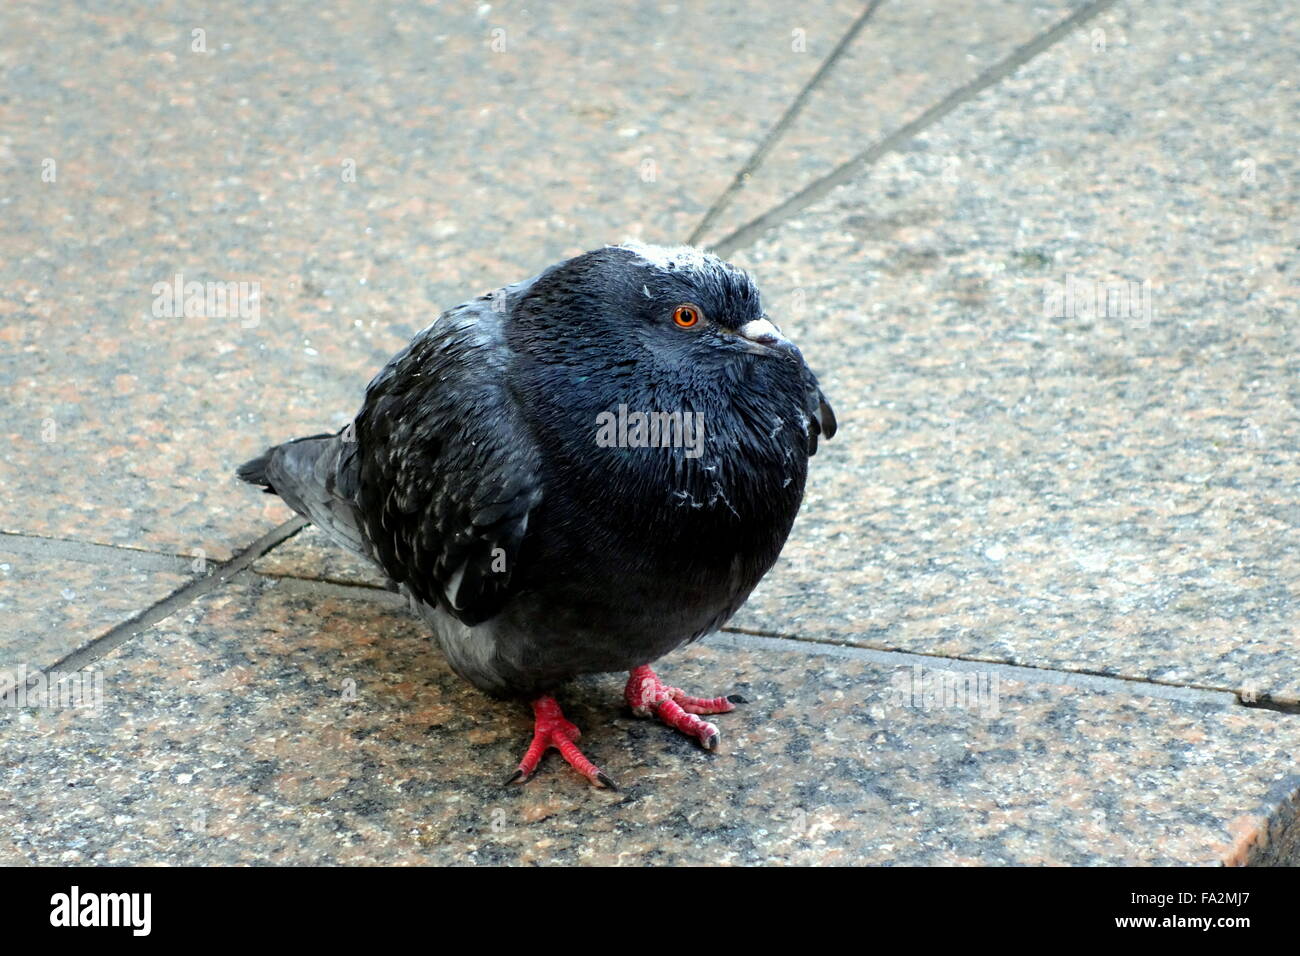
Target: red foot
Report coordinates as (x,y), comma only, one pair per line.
(552,730)
(647,695)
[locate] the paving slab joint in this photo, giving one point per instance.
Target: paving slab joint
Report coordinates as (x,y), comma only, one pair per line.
(218,574)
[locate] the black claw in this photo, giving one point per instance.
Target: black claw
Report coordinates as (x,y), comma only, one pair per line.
(517,777)
(737,699)
(711,743)
(605,781)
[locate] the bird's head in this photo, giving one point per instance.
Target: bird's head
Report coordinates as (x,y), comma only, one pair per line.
(675,309)
(653,375)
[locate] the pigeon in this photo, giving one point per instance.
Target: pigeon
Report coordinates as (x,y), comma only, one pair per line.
(575,474)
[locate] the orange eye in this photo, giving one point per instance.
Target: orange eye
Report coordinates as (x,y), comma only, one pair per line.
(686,316)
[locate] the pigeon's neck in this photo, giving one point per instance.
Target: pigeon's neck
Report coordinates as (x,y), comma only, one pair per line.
(671,465)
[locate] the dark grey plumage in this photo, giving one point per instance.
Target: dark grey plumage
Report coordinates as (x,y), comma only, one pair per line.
(473,477)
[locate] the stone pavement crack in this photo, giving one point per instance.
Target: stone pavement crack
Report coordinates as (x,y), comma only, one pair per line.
(775,134)
(1025,673)
(88,552)
(1218,698)
(183,596)
(815,190)
(315,587)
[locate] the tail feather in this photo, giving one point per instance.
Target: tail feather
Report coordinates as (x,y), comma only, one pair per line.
(316,478)
(254,470)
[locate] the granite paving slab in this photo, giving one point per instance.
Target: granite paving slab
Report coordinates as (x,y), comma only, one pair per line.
(1066,375)
(358,168)
(51,606)
(264,725)
(905,58)
(9,855)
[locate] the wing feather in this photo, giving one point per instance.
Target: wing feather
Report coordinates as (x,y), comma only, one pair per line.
(448,467)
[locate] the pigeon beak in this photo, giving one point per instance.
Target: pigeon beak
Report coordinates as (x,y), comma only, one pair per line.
(768,338)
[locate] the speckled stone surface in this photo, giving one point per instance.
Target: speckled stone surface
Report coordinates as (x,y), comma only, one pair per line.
(1114,493)
(1278,844)
(227,737)
(49,607)
(367,166)
(309,554)
(906,57)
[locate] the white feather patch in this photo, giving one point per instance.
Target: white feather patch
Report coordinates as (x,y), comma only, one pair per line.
(673,258)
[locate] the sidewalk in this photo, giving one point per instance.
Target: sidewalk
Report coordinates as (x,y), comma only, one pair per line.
(1040,606)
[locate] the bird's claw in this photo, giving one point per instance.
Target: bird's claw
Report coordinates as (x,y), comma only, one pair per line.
(648,696)
(551,729)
